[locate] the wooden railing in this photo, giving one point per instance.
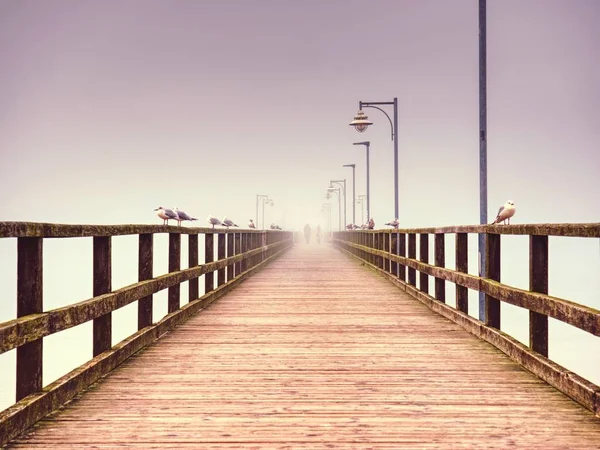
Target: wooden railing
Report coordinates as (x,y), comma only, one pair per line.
(239,253)
(386,251)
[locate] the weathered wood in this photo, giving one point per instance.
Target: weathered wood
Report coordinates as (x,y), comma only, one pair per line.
(193,259)
(245,247)
(462,265)
(17,332)
(538,282)
(424,257)
(29,301)
(221,254)
(102,328)
(238,250)
(412,254)
(273,366)
(230,253)
(15,419)
(145,272)
(174,296)
(579,389)
(394,250)
(440,261)
(492,269)
(209,256)
(402,253)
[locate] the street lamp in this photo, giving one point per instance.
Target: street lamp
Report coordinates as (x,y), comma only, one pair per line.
(483,205)
(361,123)
(367,144)
(361,200)
(264,198)
(342,185)
(328,196)
(353,191)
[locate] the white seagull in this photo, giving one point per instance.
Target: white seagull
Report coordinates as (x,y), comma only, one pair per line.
(181,216)
(214,221)
(228,222)
(166,214)
(251,224)
(505,212)
(394,223)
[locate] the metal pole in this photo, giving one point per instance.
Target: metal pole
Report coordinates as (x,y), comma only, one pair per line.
(263,214)
(396,158)
(353,194)
(368,186)
(339,210)
(483,213)
(345,203)
(256,216)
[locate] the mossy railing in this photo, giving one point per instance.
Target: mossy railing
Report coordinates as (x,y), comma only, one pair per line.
(239,254)
(387,252)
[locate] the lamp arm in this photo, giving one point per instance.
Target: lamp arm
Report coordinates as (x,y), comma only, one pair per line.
(386,115)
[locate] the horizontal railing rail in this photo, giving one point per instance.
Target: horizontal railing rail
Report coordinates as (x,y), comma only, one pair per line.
(238,252)
(393,253)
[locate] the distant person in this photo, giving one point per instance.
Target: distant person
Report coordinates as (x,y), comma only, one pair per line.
(318,236)
(307,232)
(371,224)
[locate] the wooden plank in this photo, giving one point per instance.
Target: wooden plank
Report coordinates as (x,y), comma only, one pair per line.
(174,295)
(102,329)
(402,253)
(221,254)
(230,252)
(492,269)
(538,282)
(209,256)
(359,365)
(145,272)
(29,301)
(424,257)
(238,250)
(412,253)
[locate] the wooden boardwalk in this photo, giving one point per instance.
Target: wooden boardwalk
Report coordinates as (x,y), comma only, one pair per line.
(317,352)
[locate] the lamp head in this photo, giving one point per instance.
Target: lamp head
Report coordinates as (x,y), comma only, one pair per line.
(361,122)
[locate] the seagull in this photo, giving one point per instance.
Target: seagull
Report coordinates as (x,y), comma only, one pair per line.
(505,212)
(251,224)
(228,222)
(182,216)
(371,224)
(166,214)
(214,221)
(394,223)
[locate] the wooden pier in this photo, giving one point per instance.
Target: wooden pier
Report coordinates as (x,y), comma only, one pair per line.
(314,351)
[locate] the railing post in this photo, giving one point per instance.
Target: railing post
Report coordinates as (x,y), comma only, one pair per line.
(230,273)
(440,261)
(238,250)
(492,268)
(387,262)
(29,301)
(462,253)
(538,282)
(209,256)
(102,285)
(145,272)
(245,248)
(174,265)
(394,250)
(193,285)
(412,254)
(402,252)
(424,257)
(221,276)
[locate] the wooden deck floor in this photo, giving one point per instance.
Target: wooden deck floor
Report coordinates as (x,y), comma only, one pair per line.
(317,352)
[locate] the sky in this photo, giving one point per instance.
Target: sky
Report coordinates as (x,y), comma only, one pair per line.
(110,109)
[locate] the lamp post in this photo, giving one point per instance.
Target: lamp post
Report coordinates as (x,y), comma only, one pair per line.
(264,198)
(361,122)
(342,185)
(328,196)
(361,200)
(353,191)
(483,206)
(367,144)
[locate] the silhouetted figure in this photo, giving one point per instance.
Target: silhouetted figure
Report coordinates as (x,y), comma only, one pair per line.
(307,232)
(318,234)
(371,224)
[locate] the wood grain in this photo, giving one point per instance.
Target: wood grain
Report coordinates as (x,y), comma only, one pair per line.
(316,352)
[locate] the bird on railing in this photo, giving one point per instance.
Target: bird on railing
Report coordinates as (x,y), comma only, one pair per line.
(181,216)
(505,213)
(251,224)
(394,223)
(371,224)
(214,221)
(166,214)
(228,222)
